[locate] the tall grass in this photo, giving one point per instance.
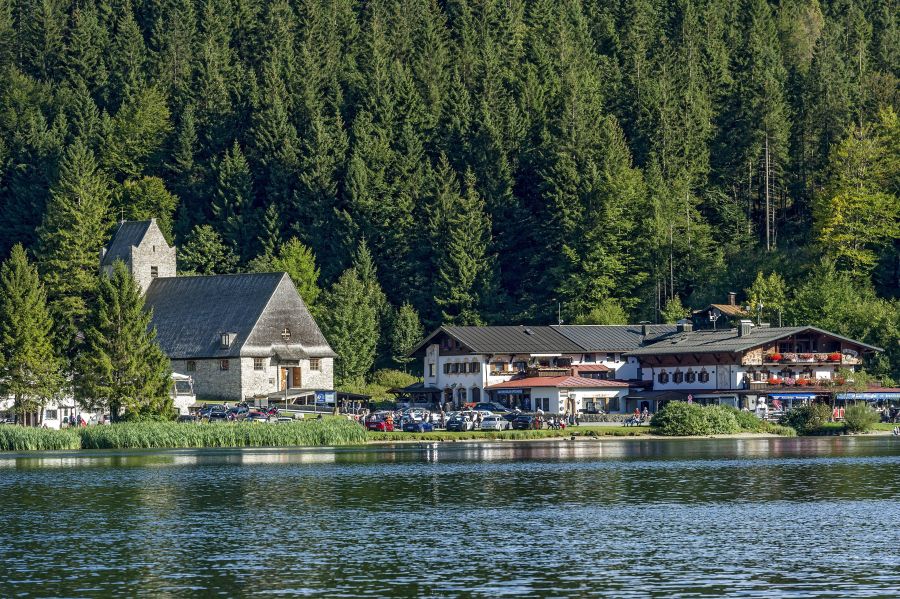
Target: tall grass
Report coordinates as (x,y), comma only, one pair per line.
(26,438)
(160,435)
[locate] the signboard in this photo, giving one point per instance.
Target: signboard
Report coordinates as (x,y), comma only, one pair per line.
(869,396)
(325,396)
(508,392)
(792,395)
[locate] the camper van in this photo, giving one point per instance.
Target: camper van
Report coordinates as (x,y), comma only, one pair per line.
(182,392)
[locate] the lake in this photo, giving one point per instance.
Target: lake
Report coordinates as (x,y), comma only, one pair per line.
(737,517)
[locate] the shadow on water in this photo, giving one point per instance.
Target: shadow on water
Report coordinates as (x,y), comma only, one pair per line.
(688,517)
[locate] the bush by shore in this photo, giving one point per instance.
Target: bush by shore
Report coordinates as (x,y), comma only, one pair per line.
(165,435)
(679,419)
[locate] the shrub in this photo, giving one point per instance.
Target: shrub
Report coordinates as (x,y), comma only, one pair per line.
(859,418)
(747,420)
(777,429)
(680,419)
(806,420)
(721,420)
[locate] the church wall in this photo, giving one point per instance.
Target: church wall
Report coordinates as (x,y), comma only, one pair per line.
(154,250)
(211,382)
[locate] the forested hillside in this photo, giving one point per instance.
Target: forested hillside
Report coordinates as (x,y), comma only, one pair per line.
(495,161)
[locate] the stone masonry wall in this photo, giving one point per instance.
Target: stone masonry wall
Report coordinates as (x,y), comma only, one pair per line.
(153,251)
(210,382)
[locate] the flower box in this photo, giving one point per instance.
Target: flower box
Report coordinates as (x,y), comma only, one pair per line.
(821,357)
(805,357)
(789,357)
(774,380)
(775,357)
(835,357)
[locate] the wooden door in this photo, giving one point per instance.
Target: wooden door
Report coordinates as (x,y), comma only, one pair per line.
(296,378)
(284,378)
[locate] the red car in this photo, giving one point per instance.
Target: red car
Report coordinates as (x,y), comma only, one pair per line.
(380,422)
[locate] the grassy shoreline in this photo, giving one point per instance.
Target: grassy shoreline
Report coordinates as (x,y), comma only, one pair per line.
(328,432)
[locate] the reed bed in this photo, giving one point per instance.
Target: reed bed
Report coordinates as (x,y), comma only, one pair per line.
(153,435)
(27,438)
(162,435)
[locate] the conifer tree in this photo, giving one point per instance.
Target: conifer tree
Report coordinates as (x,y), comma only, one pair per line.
(147,198)
(204,253)
(121,367)
(405,334)
(74,230)
(30,371)
(299,262)
(465,264)
(349,322)
(233,202)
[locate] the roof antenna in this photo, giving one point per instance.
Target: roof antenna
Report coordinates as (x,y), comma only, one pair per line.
(559,312)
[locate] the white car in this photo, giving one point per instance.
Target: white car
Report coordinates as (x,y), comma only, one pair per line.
(494,422)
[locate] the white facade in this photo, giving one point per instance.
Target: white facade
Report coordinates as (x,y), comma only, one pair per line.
(247,378)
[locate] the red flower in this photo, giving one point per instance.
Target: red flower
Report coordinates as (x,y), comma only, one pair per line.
(776,357)
(835,357)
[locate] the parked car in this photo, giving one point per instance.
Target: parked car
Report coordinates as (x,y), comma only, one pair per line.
(217,415)
(524,422)
(209,408)
(459,423)
(495,422)
(238,413)
(257,416)
(417,426)
(188,418)
(491,406)
(379,422)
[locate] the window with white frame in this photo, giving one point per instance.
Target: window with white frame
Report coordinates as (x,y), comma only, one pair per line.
(259,363)
(315,364)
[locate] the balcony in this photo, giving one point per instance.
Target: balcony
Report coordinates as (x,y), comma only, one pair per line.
(821,359)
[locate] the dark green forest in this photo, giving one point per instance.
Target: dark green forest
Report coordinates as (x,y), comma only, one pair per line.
(467,161)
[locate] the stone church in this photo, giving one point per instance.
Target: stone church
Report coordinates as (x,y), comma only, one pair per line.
(240,336)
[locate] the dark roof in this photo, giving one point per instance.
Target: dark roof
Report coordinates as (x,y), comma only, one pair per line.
(128,235)
(596,337)
(562,382)
(729,341)
(191,313)
(506,339)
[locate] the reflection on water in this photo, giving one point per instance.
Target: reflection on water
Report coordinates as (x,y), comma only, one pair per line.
(808,517)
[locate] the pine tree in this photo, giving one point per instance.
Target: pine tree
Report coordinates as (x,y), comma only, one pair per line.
(137,132)
(349,322)
(204,253)
(232,205)
(30,371)
(147,198)
(405,334)
(74,230)
(299,262)
(767,297)
(121,367)
(673,311)
(465,264)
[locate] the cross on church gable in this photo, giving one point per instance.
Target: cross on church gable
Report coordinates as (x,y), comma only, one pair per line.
(286,334)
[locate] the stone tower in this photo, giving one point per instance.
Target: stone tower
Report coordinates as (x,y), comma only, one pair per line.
(144,250)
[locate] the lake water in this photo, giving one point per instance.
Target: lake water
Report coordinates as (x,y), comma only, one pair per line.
(737,517)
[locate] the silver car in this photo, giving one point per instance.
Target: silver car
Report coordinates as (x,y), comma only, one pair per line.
(494,422)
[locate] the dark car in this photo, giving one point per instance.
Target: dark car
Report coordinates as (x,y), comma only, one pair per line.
(459,423)
(188,418)
(256,416)
(524,422)
(217,415)
(238,413)
(491,406)
(206,410)
(417,426)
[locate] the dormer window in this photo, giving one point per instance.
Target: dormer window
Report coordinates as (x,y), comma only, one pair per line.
(226,340)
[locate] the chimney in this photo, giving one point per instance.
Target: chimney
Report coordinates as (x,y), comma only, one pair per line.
(745,327)
(732,298)
(645,330)
(684,326)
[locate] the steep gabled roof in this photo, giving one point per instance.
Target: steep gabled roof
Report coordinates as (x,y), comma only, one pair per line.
(729,341)
(128,235)
(505,339)
(561,382)
(608,338)
(191,313)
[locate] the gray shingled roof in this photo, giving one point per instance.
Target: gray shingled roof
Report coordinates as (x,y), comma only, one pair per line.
(129,234)
(728,341)
(191,313)
(600,338)
(506,339)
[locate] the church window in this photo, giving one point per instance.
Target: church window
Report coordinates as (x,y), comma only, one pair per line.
(154,272)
